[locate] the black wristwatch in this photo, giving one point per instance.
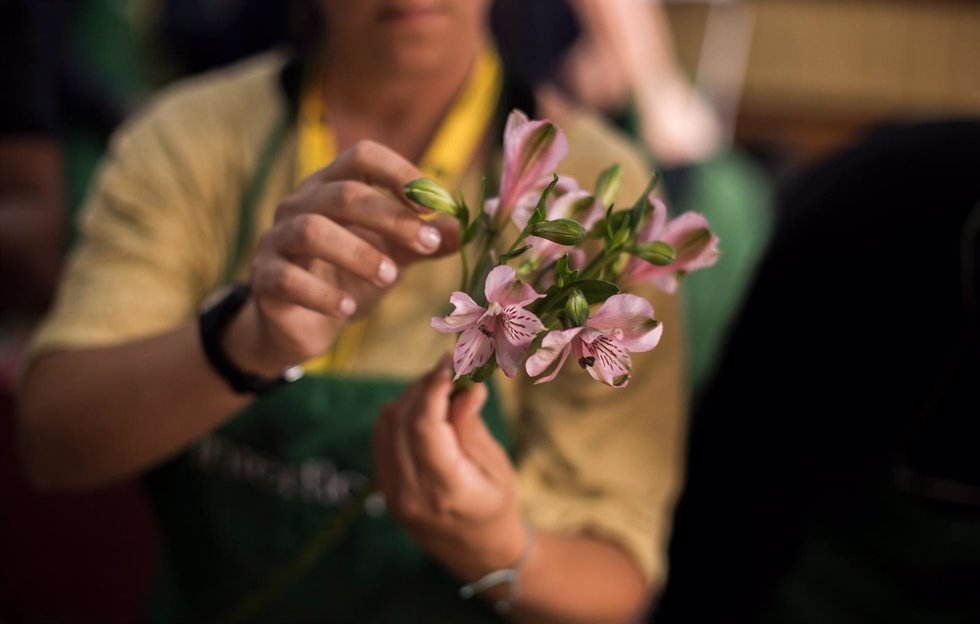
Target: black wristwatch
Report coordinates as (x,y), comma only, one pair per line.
(213,321)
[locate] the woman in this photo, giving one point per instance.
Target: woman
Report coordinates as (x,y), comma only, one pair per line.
(259,481)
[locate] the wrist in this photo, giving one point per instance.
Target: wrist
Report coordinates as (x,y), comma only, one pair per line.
(501,585)
(243,375)
(243,344)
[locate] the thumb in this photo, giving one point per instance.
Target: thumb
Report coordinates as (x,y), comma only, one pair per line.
(464,415)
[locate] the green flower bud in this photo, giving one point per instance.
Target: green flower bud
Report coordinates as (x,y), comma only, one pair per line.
(657,253)
(561,231)
(608,185)
(577,308)
(428,193)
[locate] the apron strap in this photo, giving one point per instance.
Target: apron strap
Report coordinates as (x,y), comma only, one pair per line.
(250,200)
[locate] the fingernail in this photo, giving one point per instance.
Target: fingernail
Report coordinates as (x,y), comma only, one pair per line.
(387,272)
(429,238)
(348,306)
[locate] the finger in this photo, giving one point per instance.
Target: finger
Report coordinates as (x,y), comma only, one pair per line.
(315,236)
(433,443)
(474,438)
(403,457)
(359,204)
(275,278)
(375,164)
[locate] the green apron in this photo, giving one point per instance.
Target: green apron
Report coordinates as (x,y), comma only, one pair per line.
(272,517)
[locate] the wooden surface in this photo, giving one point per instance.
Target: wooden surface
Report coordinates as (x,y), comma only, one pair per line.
(821,70)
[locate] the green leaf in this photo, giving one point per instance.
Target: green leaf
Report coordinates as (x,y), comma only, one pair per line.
(540,210)
(595,291)
(512,254)
(607,224)
(622,236)
(464,212)
(608,184)
(564,272)
(471,231)
(636,213)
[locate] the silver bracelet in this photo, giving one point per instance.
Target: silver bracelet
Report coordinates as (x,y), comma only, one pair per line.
(511,576)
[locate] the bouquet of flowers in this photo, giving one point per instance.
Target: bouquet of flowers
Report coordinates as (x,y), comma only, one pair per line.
(556,289)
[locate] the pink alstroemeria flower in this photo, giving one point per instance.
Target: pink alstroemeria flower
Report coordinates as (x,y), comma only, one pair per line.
(503,328)
(532,151)
(623,324)
(696,247)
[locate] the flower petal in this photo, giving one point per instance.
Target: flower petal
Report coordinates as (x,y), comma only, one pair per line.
(508,355)
(631,316)
(696,246)
(556,345)
(473,349)
(519,326)
(502,287)
(532,150)
(467,313)
(605,359)
(655,226)
(664,282)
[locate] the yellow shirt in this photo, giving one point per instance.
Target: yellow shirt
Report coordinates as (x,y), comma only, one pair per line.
(160,222)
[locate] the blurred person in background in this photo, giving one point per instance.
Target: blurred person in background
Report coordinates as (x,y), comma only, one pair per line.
(833,463)
(259,479)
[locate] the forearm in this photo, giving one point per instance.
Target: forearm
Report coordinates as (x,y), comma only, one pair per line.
(578,579)
(566,579)
(94,415)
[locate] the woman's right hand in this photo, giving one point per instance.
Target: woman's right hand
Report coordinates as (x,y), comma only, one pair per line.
(337,245)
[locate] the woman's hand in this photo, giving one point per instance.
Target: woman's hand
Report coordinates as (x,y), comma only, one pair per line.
(446,479)
(336,246)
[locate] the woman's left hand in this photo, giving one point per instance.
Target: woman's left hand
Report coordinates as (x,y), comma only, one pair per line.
(446,479)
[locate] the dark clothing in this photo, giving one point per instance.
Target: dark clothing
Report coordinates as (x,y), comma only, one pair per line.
(848,383)
(31,49)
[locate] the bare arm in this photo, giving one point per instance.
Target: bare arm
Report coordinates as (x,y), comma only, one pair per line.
(631,49)
(96,414)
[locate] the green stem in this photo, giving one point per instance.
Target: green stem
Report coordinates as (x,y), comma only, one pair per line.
(586,273)
(488,240)
(466,268)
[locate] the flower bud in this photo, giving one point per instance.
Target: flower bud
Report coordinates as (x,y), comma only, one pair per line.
(657,253)
(427,192)
(608,185)
(577,308)
(561,231)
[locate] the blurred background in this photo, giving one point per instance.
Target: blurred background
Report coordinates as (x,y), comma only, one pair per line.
(833,145)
